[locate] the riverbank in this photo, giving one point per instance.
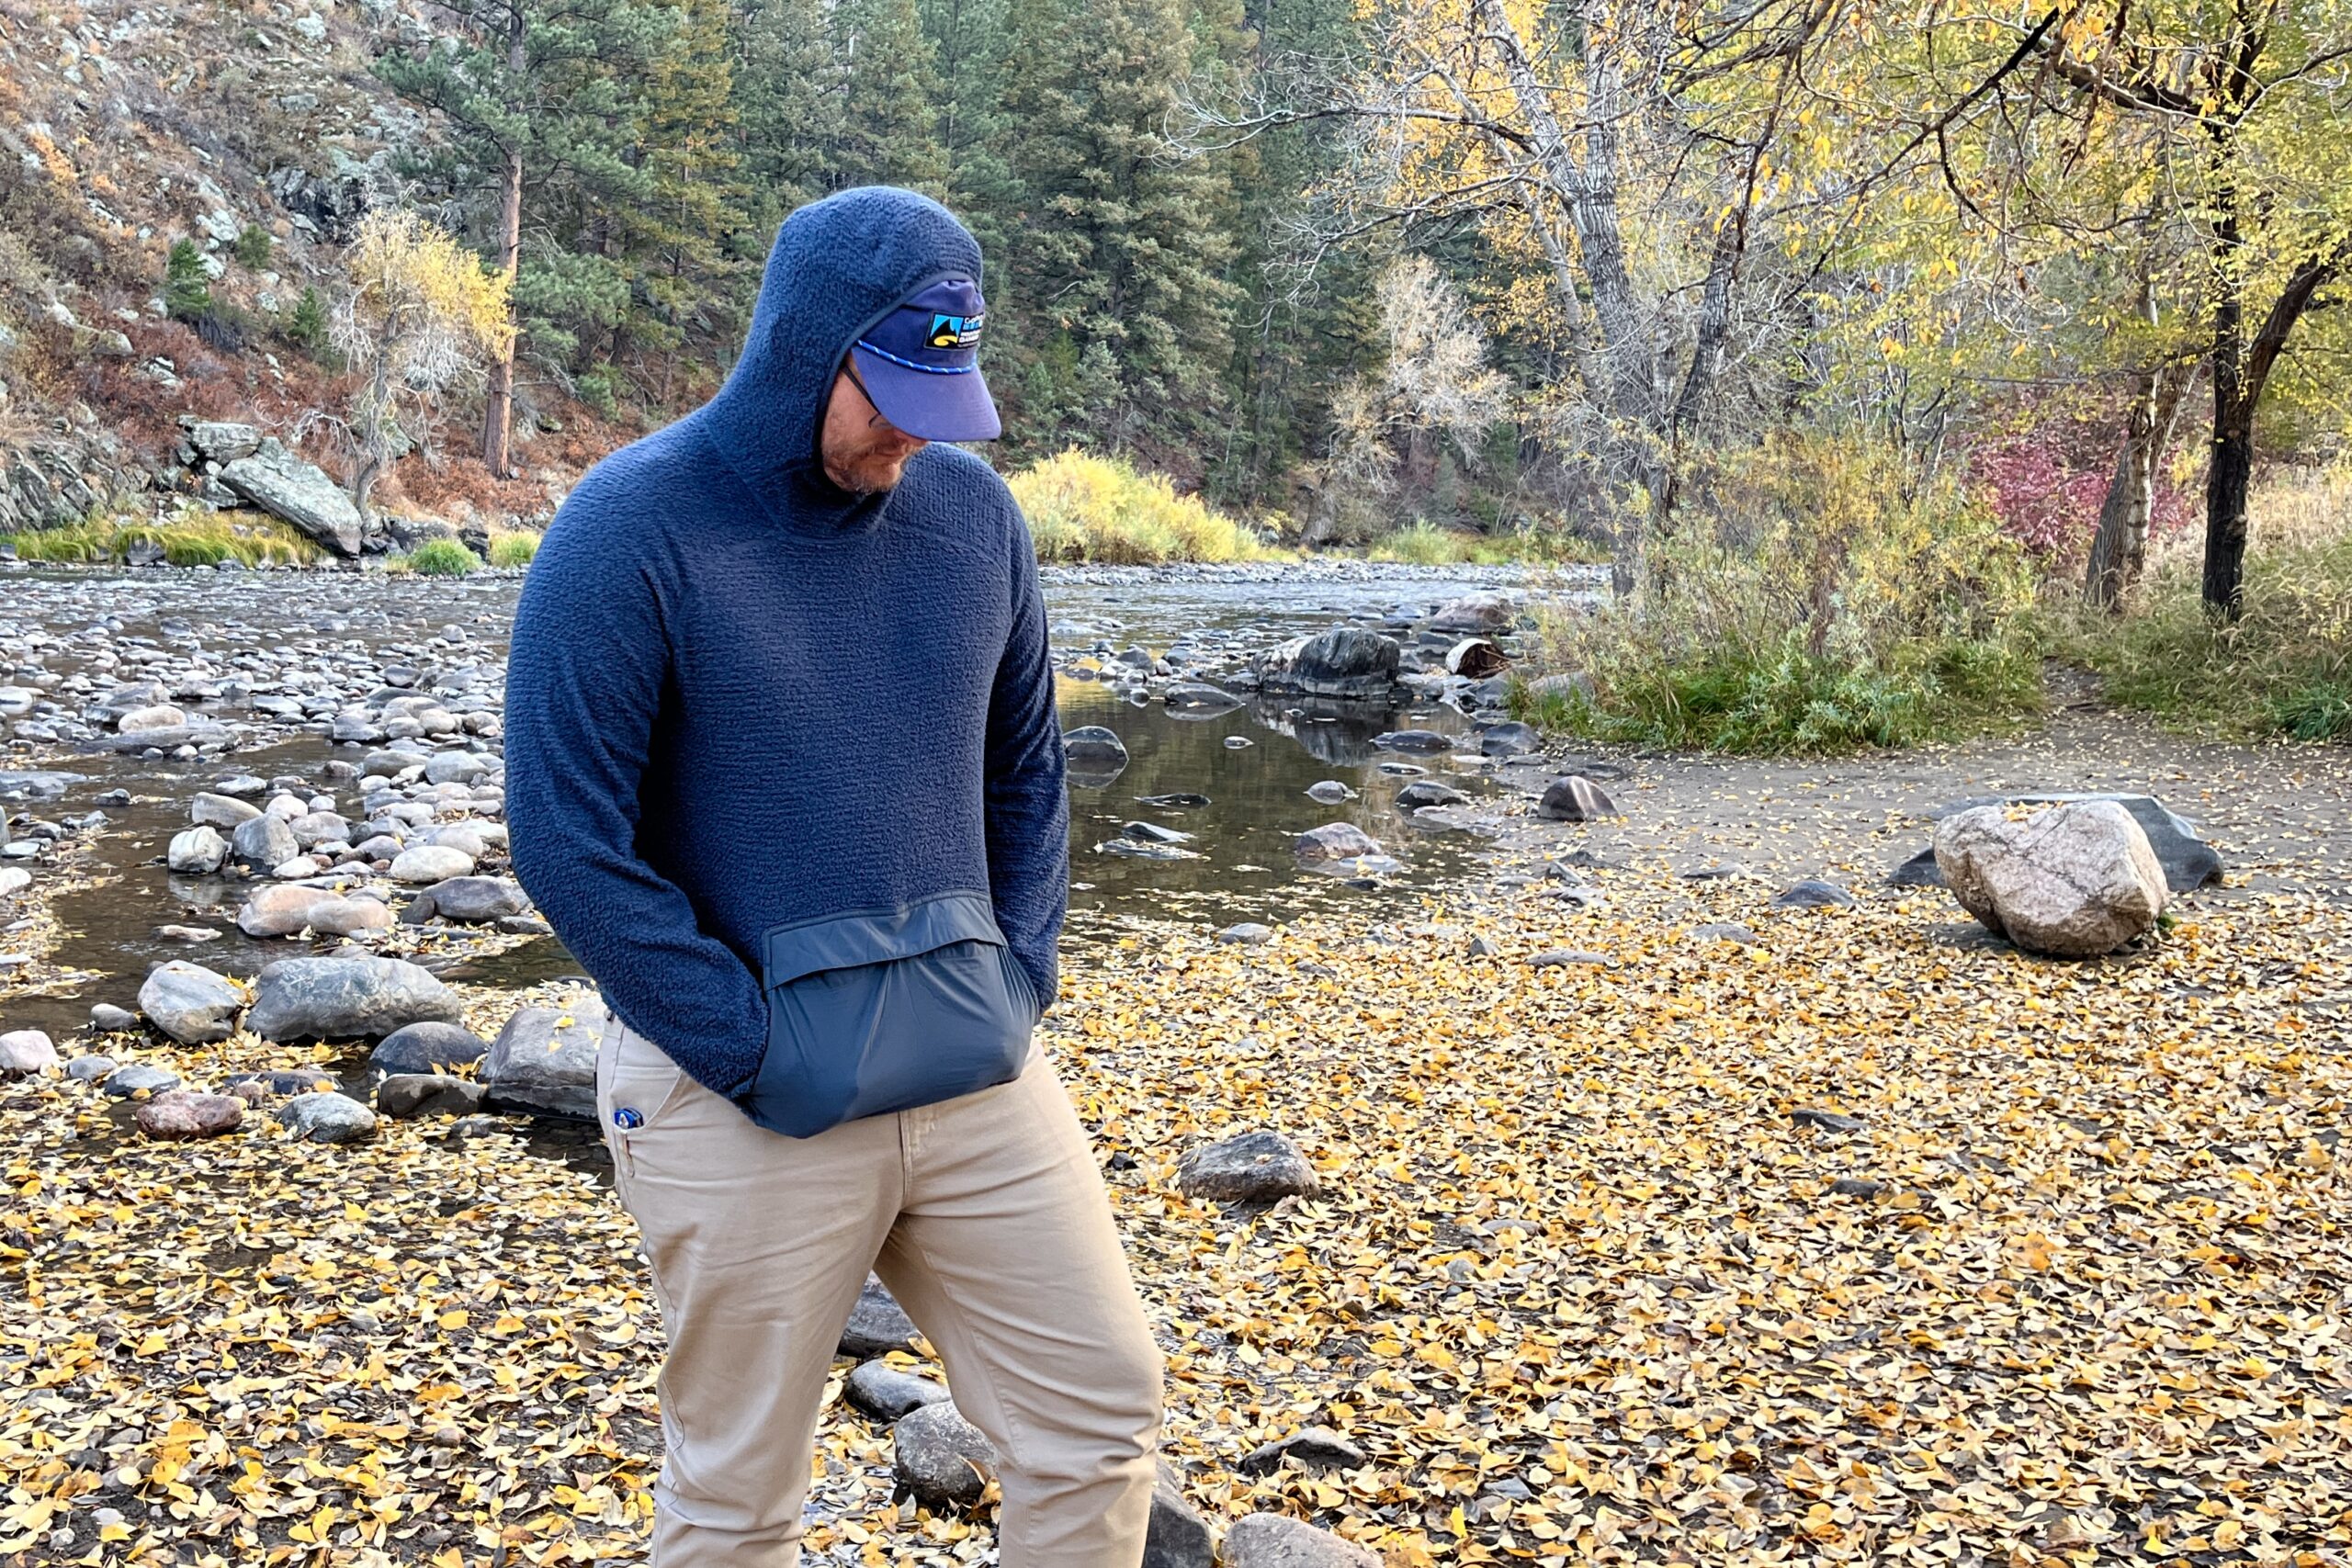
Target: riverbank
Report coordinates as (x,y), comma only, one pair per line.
(1724,1248)
(1654,1217)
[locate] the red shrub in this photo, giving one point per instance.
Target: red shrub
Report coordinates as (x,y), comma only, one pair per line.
(2046,477)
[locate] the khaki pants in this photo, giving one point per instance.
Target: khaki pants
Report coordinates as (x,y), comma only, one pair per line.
(987,1218)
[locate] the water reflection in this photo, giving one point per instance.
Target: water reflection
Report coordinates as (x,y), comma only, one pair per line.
(1256,800)
(1233,780)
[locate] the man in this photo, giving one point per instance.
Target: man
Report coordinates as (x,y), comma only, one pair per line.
(783,772)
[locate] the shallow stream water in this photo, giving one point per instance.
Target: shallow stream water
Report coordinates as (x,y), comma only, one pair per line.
(1235,865)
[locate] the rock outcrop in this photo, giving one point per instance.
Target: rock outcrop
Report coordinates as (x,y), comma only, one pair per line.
(300,492)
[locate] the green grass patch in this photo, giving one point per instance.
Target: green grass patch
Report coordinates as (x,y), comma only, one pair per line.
(1084,508)
(1781,699)
(196,539)
(1814,599)
(442,557)
(2283,668)
(513,548)
(1425,544)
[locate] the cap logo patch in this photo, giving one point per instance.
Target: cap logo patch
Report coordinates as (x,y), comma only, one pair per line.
(954,332)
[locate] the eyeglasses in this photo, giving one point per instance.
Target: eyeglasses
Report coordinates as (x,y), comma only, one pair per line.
(849,368)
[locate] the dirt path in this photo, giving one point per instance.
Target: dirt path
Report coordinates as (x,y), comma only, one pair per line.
(2281,814)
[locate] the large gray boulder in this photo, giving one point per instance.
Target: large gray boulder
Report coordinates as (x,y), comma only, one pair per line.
(151,718)
(213,808)
(455,767)
(427,1047)
(1271,1541)
(344,999)
(881,1390)
(1093,755)
(280,910)
(544,1061)
(422,864)
(1198,699)
(407,1095)
(942,1458)
(1572,797)
(315,828)
(2072,881)
(1486,611)
(326,1118)
(286,486)
(263,842)
(1333,841)
(189,1002)
(198,851)
(139,1077)
(1345,663)
(334,915)
(220,441)
(2188,861)
(473,900)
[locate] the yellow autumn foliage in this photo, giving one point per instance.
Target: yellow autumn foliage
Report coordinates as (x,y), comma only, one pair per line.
(1085,508)
(407,274)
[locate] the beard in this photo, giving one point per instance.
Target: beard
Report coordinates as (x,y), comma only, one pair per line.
(871,471)
(872,475)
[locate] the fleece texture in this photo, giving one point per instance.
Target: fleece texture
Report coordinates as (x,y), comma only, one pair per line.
(737,696)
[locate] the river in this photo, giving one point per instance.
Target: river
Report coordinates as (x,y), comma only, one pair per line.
(273,654)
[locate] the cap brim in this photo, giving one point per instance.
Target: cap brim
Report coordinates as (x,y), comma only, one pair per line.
(928,404)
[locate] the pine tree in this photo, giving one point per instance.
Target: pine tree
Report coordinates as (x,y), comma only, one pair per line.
(1289,353)
(308,324)
(968,41)
(684,247)
(788,105)
(1121,315)
(887,133)
(541,98)
(187,293)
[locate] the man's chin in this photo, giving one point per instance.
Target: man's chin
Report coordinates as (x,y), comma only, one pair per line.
(874,477)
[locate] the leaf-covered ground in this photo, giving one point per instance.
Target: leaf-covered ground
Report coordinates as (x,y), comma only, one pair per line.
(1580,1285)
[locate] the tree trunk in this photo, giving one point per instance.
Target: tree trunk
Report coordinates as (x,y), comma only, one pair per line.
(2119,549)
(2226,484)
(1625,530)
(1586,191)
(2171,387)
(375,448)
(2241,371)
(1714,324)
(498,407)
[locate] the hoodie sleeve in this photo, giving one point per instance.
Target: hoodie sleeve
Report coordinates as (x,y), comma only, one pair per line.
(1028,809)
(584,674)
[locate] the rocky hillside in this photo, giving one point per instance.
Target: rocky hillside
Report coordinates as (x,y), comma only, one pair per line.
(256,131)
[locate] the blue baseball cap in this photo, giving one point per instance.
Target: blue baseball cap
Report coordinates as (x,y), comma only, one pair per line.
(920,365)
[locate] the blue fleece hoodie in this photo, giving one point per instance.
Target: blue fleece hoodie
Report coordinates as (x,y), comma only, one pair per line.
(757,726)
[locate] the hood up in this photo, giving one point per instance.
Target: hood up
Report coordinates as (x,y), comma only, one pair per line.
(838,266)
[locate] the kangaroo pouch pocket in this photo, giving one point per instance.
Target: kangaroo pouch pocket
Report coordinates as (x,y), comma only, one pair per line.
(884,1009)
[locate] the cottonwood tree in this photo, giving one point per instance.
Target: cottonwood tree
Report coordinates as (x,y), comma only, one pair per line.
(1498,113)
(1434,384)
(419,318)
(2118,551)
(2228,110)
